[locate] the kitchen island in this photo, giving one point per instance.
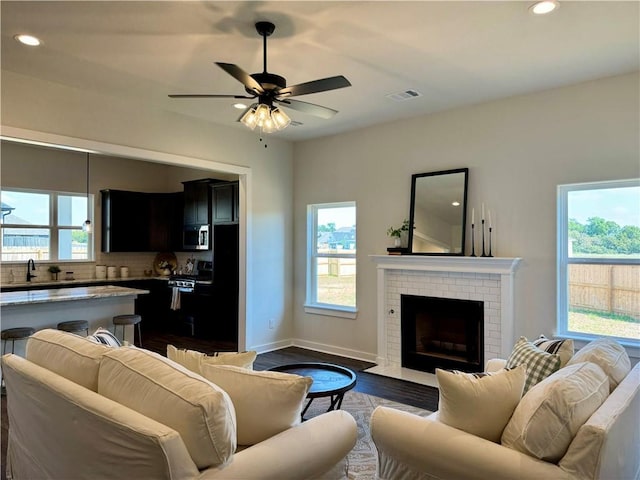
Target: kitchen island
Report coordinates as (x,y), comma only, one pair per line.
(48,307)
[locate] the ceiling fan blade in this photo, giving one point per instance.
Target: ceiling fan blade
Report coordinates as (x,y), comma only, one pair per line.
(243,77)
(315,86)
(310,108)
(206,95)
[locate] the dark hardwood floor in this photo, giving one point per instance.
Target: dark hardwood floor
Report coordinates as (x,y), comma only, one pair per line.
(396,390)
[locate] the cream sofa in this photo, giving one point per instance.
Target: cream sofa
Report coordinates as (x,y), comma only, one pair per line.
(62,427)
(606,446)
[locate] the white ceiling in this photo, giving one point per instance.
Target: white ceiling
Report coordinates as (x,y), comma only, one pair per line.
(453,53)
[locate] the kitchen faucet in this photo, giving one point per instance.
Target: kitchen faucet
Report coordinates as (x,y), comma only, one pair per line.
(31,266)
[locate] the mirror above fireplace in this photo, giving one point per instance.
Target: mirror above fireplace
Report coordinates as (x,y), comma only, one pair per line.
(438,212)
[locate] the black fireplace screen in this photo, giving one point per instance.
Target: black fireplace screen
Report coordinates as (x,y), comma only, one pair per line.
(442,333)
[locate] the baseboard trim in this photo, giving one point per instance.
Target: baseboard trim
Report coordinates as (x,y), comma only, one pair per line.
(333,350)
(318,347)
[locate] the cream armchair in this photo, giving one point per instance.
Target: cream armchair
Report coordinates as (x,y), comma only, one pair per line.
(606,447)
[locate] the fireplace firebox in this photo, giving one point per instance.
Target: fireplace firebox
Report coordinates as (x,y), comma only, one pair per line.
(442,333)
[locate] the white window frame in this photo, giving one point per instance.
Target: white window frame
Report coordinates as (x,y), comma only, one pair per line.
(53,226)
(311,304)
(563,262)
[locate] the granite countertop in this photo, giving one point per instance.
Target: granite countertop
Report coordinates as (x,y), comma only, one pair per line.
(50,295)
(71,283)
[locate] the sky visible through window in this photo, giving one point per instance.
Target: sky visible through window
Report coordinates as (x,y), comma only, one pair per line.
(620,205)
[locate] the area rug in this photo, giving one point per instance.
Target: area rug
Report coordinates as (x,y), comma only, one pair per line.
(364,457)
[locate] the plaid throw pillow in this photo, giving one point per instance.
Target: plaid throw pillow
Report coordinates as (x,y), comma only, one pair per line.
(539,364)
(564,348)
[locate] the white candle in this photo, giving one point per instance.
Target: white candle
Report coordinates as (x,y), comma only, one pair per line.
(489,218)
(483,212)
(473,216)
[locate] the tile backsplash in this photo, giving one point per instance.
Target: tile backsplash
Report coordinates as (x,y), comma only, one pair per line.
(137,263)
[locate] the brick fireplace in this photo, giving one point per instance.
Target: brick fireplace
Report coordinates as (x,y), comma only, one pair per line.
(480,279)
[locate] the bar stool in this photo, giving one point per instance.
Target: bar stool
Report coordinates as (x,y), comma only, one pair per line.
(11,335)
(73,326)
(123,321)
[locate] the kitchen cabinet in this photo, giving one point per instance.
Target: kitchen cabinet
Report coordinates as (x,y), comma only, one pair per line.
(224,203)
(124,221)
(196,202)
(165,222)
(140,222)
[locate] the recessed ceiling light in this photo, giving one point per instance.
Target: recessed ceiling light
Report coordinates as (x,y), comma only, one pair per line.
(455,204)
(544,7)
(239,106)
(28,40)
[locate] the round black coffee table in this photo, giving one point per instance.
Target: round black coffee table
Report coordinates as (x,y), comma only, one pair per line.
(329,380)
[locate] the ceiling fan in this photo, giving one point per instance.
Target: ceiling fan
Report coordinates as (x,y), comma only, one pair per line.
(271,89)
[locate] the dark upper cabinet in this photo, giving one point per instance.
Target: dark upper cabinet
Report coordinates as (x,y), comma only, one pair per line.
(140,222)
(224,203)
(196,202)
(125,221)
(165,221)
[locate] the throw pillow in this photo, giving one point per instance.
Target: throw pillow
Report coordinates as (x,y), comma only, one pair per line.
(105,337)
(479,403)
(608,355)
(201,412)
(539,364)
(550,414)
(266,403)
(68,355)
(194,360)
(564,348)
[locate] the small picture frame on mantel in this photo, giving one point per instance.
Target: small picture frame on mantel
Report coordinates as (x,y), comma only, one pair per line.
(397,250)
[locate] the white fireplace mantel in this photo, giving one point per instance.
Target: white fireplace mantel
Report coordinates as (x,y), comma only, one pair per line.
(447,276)
(497,265)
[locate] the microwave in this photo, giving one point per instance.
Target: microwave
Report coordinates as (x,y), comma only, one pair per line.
(195,237)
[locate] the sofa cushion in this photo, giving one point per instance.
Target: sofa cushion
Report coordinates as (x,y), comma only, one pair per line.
(608,355)
(169,393)
(194,360)
(549,415)
(479,403)
(266,403)
(539,364)
(70,356)
(105,337)
(563,348)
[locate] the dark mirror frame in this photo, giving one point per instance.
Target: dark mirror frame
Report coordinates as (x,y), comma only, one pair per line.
(417,176)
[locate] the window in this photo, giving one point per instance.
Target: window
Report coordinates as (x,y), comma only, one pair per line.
(599,260)
(331,259)
(45,225)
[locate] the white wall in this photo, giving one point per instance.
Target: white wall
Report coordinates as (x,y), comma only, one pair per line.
(41,106)
(517,150)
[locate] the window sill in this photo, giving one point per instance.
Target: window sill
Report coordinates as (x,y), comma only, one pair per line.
(332,311)
(632,347)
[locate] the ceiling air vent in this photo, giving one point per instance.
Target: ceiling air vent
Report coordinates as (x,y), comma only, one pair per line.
(295,123)
(406,95)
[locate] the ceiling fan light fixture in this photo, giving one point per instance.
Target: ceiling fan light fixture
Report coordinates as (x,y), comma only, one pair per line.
(280,119)
(263,112)
(268,126)
(250,119)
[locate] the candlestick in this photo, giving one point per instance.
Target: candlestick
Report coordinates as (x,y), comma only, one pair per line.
(473,241)
(490,230)
(483,253)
